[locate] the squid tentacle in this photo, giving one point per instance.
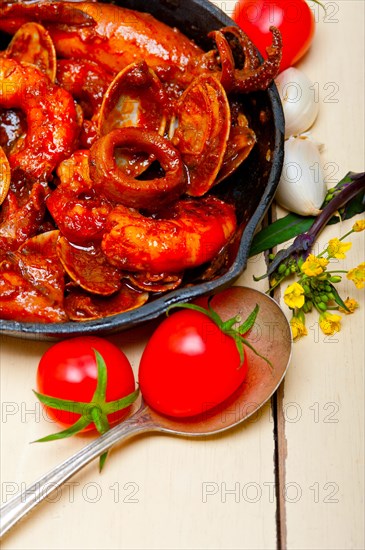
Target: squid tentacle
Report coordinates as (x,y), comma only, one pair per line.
(252,76)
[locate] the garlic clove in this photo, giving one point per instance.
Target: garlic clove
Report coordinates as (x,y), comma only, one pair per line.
(297,96)
(301,187)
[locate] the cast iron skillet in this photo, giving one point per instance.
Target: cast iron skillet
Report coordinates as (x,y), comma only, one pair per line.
(250,189)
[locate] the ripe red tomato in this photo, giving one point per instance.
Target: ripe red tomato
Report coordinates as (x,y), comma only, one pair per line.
(189,365)
(293,18)
(68,370)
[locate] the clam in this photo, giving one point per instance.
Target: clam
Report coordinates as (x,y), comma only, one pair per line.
(89,268)
(201,131)
(135,98)
(33,44)
(81,306)
(5,175)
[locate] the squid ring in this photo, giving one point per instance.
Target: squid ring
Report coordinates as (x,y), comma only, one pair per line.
(117,185)
(51,117)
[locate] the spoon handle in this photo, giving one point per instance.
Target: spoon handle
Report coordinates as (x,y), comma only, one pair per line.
(24,502)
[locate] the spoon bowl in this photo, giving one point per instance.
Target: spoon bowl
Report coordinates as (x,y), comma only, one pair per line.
(270,336)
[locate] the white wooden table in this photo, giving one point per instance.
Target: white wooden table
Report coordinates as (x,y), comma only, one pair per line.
(293,475)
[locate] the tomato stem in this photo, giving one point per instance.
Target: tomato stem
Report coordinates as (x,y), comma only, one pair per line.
(95,411)
(227,327)
(320,4)
(102,425)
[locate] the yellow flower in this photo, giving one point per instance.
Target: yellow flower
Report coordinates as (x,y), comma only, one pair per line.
(337,249)
(359,225)
(298,328)
(314,266)
(357,275)
(294,296)
(351,304)
(330,323)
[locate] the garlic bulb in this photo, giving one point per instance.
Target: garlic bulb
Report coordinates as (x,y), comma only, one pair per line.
(301,187)
(298,101)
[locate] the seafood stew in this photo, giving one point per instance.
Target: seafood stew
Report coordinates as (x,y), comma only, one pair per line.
(189,189)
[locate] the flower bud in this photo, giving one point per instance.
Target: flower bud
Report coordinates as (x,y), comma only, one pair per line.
(335,279)
(322,306)
(359,226)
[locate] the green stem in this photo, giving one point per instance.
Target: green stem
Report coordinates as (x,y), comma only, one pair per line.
(72,430)
(346,235)
(317,308)
(102,425)
(102,460)
(244,341)
(96,415)
(96,411)
(227,327)
(278,283)
(320,4)
(119,404)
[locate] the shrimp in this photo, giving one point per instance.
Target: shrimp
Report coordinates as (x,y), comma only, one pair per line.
(80,213)
(188,233)
(52,127)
